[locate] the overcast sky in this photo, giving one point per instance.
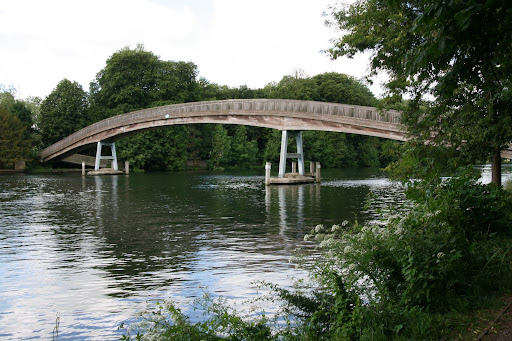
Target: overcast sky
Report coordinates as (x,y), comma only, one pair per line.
(233,42)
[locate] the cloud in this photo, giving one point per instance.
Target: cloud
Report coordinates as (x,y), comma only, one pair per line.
(46,41)
(232,42)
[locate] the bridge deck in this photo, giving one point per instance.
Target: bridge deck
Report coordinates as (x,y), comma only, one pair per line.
(270,113)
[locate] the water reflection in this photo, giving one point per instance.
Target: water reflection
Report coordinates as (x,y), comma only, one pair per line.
(95,249)
(293,203)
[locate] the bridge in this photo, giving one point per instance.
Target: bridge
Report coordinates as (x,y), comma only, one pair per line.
(290,116)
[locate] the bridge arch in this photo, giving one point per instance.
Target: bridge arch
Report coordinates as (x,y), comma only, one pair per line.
(269,113)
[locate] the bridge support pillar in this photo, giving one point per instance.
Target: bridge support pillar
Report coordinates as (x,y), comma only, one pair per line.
(285,155)
(112,155)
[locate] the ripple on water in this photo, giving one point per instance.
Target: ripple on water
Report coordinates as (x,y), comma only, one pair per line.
(95,250)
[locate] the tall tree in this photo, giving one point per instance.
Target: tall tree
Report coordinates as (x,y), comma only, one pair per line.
(340,88)
(14,145)
(456,52)
(137,79)
(22,110)
(221,146)
(128,82)
(243,151)
(63,112)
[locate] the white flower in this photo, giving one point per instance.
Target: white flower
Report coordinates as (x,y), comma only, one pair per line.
(335,228)
(440,255)
(319,228)
(327,243)
(347,249)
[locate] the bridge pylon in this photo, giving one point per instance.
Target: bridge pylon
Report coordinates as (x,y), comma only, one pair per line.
(299,155)
(112,156)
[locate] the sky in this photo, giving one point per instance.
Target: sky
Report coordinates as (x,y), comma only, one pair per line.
(232,42)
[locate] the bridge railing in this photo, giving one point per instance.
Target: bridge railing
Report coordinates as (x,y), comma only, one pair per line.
(241,106)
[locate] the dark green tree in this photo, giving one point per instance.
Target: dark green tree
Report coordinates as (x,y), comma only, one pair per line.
(22,110)
(128,82)
(63,112)
(221,146)
(243,151)
(340,88)
(14,145)
(272,138)
(161,149)
(455,52)
(296,86)
(138,79)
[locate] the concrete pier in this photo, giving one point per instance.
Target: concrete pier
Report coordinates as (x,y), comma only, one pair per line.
(292,178)
(105,171)
(268,166)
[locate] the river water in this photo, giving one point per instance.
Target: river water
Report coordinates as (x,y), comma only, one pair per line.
(93,251)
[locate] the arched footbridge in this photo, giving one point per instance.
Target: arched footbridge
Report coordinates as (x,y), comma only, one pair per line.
(286,115)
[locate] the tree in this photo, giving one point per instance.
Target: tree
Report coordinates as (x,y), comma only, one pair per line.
(340,88)
(128,82)
(296,86)
(63,112)
(21,110)
(221,145)
(456,52)
(138,79)
(161,149)
(14,145)
(243,151)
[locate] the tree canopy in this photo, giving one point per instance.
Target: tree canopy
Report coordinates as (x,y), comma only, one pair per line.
(137,79)
(134,79)
(326,87)
(450,57)
(14,145)
(63,112)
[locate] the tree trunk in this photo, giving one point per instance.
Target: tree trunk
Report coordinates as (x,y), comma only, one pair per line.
(496,167)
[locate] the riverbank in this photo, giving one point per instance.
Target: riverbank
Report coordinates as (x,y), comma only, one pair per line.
(490,324)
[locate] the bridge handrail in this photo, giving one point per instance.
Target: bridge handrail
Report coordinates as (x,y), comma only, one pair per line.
(232,105)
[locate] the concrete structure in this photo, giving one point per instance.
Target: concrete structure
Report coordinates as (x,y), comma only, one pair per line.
(299,155)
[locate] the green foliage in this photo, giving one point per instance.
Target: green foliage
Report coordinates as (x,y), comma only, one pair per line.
(169,153)
(138,79)
(219,323)
(221,147)
(21,110)
(451,51)
(326,87)
(63,112)
(243,151)
(272,146)
(27,111)
(14,145)
(340,88)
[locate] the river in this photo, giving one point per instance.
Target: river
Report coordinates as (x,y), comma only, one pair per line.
(92,251)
